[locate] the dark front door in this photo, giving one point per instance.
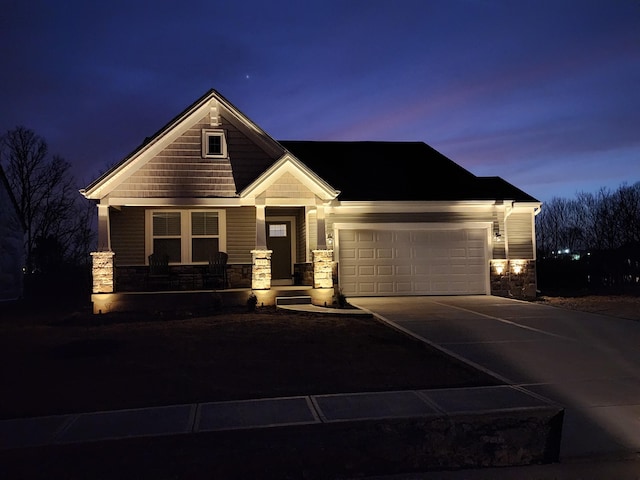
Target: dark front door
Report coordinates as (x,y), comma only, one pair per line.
(279,241)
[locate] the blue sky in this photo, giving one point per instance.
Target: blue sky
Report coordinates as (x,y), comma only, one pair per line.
(545,94)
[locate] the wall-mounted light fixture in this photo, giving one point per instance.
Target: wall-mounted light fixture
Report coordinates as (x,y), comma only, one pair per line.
(329,241)
(497,237)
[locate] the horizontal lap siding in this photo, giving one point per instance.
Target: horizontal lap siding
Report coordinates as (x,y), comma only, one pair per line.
(180,171)
(520,235)
(127,235)
(241,234)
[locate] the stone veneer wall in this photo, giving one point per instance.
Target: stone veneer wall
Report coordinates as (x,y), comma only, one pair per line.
(102,272)
(303,273)
(261,273)
(514,278)
(322,268)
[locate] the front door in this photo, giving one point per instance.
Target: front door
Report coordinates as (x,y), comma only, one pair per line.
(279,241)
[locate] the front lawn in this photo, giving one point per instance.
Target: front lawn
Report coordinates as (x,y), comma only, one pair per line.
(57,362)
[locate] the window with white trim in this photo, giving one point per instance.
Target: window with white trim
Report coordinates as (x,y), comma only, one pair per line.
(214,144)
(167,235)
(205,235)
(187,236)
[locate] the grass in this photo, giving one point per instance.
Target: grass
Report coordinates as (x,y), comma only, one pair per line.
(58,361)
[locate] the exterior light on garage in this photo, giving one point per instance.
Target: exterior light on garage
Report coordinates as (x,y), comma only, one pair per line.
(499,266)
(329,241)
(497,237)
(517,267)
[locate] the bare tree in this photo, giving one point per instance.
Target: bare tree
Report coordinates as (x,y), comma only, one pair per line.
(627,201)
(48,201)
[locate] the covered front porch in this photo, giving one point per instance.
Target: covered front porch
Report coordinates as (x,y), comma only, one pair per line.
(198,301)
(186,291)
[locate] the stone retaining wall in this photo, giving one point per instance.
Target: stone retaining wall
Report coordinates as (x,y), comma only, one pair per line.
(354,449)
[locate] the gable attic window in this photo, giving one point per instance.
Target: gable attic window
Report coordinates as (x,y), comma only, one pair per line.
(214,144)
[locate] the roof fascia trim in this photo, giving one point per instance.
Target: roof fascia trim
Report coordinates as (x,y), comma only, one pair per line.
(413,206)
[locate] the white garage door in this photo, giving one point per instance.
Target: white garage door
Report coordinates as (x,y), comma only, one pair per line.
(413,262)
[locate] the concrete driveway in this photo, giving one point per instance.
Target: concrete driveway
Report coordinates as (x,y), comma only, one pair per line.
(588,363)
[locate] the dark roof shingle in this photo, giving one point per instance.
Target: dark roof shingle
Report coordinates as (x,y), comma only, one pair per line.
(401,171)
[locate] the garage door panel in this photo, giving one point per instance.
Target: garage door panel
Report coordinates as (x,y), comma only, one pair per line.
(366,270)
(385,237)
(404,288)
(365,236)
(348,270)
(413,262)
(421,269)
(365,253)
(347,253)
(386,288)
(385,270)
(403,270)
(367,287)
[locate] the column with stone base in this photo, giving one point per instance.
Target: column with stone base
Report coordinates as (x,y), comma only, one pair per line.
(102,272)
(261,271)
(322,268)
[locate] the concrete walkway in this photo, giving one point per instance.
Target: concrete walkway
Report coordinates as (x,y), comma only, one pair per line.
(259,413)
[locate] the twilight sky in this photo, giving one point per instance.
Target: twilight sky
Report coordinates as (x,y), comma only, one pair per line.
(544,93)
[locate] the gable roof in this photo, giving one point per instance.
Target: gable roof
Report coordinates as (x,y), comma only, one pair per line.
(248,169)
(361,171)
(404,171)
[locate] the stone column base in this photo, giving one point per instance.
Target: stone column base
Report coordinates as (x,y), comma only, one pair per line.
(261,271)
(322,268)
(102,272)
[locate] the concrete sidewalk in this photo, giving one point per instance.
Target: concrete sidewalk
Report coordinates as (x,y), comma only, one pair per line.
(262,413)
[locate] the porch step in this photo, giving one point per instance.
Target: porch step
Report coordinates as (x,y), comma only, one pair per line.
(294,300)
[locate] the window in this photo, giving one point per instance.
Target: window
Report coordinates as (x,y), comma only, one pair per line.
(166,235)
(278,230)
(214,144)
(204,235)
(187,236)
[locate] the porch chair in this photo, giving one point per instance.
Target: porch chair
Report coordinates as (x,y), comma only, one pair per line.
(216,274)
(159,274)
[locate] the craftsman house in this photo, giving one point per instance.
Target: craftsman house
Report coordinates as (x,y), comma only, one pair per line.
(363,218)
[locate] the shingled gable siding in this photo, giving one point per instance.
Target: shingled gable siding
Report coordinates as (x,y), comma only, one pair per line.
(127,235)
(520,231)
(241,234)
(180,171)
(288,186)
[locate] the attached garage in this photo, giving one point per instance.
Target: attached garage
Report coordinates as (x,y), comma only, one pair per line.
(417,261)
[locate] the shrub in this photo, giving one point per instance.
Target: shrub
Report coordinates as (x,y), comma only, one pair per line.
(252,301)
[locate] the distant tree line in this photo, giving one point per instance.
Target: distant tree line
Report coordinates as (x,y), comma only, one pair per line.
(58,220)
(592,242)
